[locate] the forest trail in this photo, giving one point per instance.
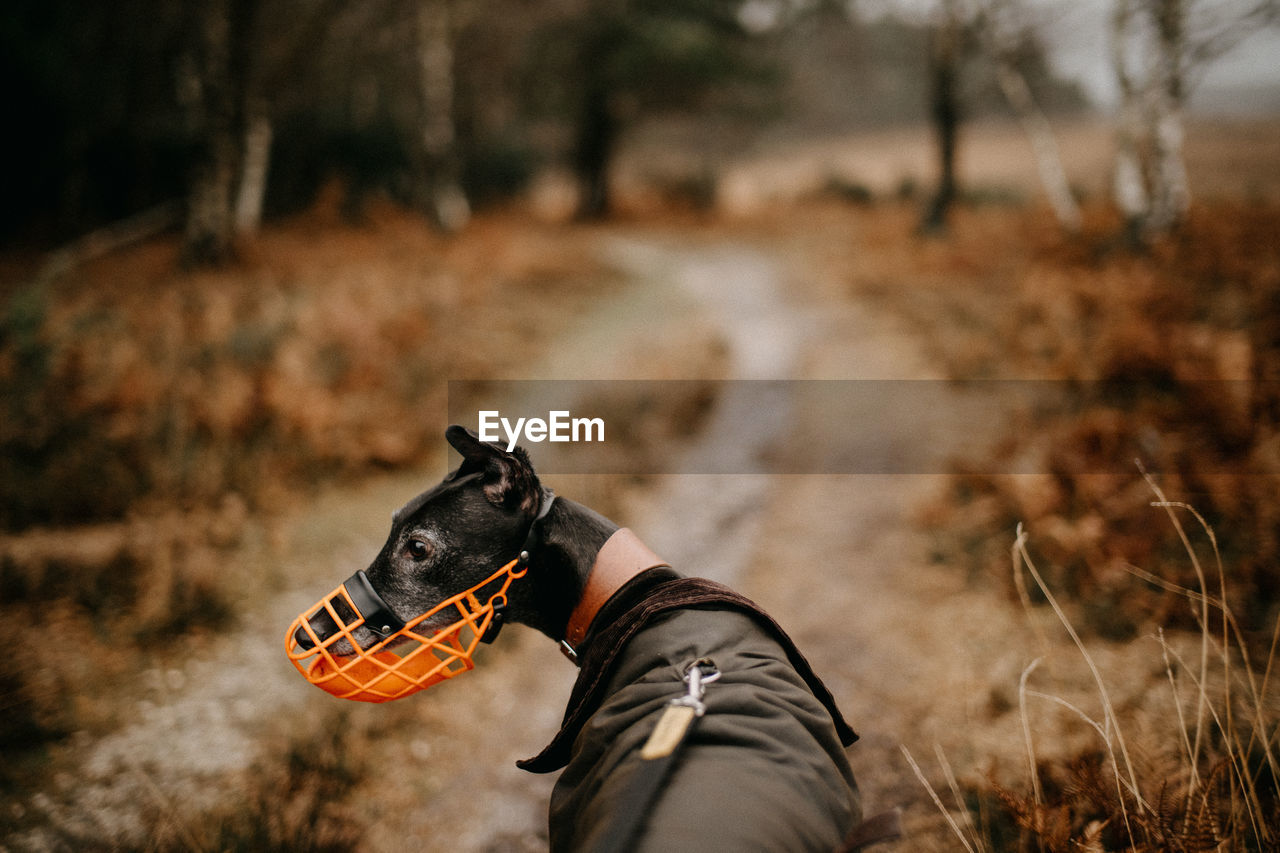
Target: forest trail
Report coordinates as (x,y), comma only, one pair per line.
(835,558)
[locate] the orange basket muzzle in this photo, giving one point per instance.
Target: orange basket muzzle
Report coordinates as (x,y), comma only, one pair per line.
(407,658)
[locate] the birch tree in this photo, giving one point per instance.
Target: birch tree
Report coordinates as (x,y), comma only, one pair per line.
(284,40)
(1004,27)
(1160,49)
(241,57)
(255,159)
(1129,185)
(976,46)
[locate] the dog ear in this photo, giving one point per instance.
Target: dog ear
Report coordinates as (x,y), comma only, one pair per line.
(508,478)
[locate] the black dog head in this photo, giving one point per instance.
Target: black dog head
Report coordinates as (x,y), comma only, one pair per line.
(453,536)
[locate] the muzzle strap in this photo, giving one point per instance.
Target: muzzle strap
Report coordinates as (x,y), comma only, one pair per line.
(378,616)
(533,539)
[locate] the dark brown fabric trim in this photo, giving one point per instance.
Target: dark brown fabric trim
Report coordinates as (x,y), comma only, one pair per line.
(607,639)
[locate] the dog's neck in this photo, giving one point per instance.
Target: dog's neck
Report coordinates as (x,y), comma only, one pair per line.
(572,536)
(584,558)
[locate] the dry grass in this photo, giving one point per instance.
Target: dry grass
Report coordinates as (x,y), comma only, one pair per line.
(106,592)
(1207,779)
(317,356)
(294,799)
(1174,355)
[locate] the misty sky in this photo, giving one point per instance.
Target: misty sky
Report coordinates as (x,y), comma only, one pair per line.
(1247,80)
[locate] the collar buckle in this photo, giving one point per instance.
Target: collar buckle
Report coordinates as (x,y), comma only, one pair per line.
(569,652)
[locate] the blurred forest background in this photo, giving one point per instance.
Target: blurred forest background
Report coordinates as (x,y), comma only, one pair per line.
(245,244)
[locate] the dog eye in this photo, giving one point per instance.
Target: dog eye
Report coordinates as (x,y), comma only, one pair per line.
(418,550)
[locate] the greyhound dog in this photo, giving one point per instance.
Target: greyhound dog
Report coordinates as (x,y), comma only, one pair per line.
(655,755)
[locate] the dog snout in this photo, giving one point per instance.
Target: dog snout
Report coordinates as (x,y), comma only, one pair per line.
(302,639)
(341,640)
(317,629)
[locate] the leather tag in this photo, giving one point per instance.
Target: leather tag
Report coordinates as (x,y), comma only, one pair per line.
(672,727)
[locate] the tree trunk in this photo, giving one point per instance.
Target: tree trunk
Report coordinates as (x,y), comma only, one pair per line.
(597,137)
(256,160)
(1048,158)
(1128,185)
(208,85)
(1171,192)
(944,77)
(1151,187)
(1129,180)
(440,192)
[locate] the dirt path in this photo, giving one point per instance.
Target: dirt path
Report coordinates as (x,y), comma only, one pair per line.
(837,558)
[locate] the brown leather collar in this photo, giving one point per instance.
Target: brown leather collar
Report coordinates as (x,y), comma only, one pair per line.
(621,558)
